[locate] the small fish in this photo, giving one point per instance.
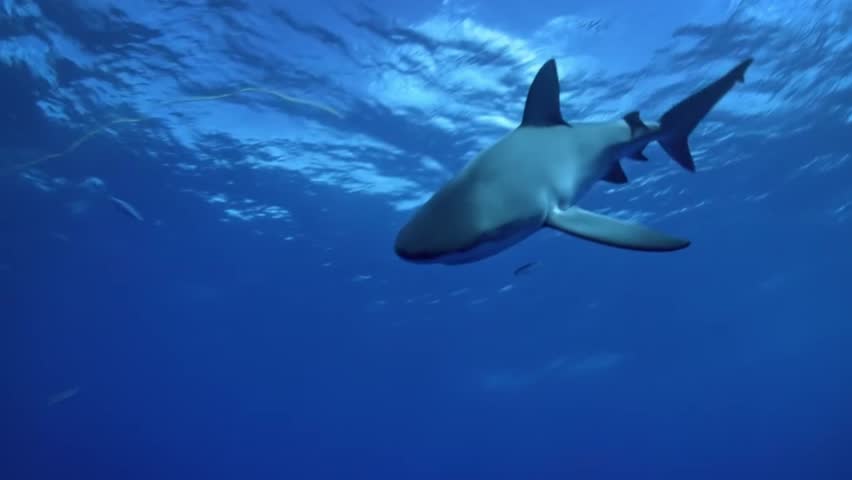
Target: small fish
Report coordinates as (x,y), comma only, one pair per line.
(62,396)
(525,268)
(127,208)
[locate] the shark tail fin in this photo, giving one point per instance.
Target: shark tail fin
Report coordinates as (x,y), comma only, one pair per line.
(679,121)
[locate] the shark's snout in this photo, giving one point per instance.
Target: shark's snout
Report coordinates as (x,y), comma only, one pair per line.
(401,250)
(403,246)
(412,245)
(406,255)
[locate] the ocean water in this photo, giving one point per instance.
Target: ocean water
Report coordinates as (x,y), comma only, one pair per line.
(252,320)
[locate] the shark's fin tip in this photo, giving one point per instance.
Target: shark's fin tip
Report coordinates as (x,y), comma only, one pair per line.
(740,69)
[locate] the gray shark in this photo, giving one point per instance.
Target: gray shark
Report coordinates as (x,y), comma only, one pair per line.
(534,176)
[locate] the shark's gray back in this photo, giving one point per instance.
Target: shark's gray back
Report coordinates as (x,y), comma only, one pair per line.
(492,190)
(561,163)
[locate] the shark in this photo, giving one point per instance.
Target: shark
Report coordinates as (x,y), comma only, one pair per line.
(534,177)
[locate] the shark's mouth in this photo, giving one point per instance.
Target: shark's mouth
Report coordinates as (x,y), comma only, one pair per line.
(485,245)
(418,257)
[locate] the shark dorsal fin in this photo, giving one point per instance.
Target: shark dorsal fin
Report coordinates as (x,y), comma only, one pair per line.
(542,106)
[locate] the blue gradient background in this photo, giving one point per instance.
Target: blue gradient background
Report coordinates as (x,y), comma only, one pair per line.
(257,324)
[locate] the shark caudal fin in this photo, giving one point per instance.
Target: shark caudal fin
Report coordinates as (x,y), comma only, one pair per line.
(680,120)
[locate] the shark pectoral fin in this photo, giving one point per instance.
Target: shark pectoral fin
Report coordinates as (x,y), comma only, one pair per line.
(610,231)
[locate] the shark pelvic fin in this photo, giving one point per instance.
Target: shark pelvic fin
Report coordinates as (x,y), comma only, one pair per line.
(616,175)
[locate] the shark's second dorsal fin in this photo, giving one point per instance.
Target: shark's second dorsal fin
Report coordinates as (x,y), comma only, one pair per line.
(542,106)
(637,126)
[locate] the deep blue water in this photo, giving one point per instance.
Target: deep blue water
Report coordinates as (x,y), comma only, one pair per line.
(257,324)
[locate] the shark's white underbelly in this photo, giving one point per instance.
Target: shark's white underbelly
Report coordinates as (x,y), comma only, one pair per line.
(490,246)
